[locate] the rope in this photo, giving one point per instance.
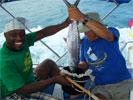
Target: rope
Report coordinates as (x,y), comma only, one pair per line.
(90,86)
(80,87)
(83,89)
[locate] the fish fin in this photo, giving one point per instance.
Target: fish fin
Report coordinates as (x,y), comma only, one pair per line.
(65,39)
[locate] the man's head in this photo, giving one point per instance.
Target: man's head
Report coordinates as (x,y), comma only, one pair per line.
(15,34)
(84,29)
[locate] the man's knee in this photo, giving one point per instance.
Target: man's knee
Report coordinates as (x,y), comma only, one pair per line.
(48,62)
(45,67)
(101,96)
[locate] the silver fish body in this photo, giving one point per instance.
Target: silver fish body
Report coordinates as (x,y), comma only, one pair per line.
(73,46)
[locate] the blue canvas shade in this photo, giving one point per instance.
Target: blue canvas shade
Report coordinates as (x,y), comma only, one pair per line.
(4,1)
(118,1)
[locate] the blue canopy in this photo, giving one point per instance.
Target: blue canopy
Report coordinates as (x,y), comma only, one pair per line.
(8,0)
(118,1)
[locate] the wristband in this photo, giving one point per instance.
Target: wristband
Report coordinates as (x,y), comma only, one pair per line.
(86,20)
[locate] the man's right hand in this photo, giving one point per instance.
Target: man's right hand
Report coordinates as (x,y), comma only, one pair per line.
(83,65)
(76,14)
(62,79)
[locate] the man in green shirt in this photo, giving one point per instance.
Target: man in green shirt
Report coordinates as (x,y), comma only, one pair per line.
(17,79)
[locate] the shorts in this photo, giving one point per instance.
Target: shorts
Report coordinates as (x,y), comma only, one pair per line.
(119,91)
(33,96)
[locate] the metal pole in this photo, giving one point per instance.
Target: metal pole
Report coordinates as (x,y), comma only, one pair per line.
(110,12)
(126,45)
(50,48)
(6,10)
(61,57)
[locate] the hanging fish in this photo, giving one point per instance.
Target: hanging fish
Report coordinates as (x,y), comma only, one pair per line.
(73,45)
(73,41)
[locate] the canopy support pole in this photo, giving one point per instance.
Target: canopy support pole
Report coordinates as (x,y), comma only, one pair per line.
(110,12)
(6,10)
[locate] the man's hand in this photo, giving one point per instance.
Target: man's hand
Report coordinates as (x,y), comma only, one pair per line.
(76,14)
(67,22)
(62,79)
(83,65)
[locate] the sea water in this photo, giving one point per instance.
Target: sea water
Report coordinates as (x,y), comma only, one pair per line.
(44,13)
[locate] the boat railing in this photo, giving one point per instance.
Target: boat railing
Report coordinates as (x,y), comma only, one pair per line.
(125,44)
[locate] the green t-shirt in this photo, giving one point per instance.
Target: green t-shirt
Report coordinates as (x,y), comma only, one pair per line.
(16,67)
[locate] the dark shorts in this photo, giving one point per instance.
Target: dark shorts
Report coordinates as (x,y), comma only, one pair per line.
(33,96)
(37,78)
